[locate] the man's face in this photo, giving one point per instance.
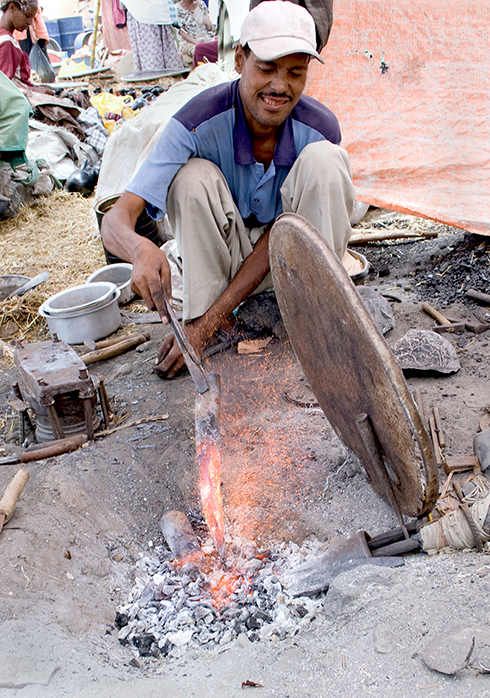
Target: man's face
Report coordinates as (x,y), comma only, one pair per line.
(270,89)
(23,19)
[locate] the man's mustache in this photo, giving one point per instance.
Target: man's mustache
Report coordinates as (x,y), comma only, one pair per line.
(281,95)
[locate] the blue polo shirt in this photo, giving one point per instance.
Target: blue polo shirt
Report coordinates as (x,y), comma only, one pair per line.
(212,126)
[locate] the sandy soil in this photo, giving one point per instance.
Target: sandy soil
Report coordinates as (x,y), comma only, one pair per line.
(67,558)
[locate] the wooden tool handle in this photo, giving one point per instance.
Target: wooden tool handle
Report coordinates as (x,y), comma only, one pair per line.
(54,448)
(483,298)
(108,352)
(438,317)
(12,494)
(179,535)
(115,340)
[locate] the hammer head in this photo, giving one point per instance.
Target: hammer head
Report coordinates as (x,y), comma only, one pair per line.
(454,327)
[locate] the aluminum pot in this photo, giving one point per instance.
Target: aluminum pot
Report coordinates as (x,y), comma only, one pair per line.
(86,322)
(119,274)
(77,298)
(359,277)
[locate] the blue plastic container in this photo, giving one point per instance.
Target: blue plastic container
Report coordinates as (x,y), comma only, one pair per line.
(54,31)
(70,28)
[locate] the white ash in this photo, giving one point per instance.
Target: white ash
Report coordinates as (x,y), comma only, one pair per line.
(170,608)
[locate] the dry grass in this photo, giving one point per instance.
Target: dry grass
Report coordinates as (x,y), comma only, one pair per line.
(58,234)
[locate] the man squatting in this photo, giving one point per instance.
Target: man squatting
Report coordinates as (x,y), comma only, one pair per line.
(227,165)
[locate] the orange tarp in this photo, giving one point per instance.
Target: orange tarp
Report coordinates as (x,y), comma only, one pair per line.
(409,81)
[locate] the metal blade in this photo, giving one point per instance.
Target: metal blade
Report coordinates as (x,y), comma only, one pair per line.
(209,459)
(190,357)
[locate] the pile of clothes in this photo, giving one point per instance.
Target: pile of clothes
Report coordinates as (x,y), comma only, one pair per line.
(44,141)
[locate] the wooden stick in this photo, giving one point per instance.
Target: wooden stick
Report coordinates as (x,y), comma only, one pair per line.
(435,441)
(94,34)
(438,317)
(115,340)
(483,298)
(440,433)
(109,352)
(458,464)
(54,448)
(420,403)
(12,494)
(373,235)
(446,485)
(105,432)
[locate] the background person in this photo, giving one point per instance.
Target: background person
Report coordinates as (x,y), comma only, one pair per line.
(195,26)
(37,34)
(14,63)
(152,39)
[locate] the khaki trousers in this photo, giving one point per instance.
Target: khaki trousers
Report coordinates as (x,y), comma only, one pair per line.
(213,241)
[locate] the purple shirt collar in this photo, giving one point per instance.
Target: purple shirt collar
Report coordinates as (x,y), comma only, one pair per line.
(285,152)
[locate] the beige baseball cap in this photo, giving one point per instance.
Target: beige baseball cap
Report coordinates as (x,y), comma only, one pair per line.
(278,28)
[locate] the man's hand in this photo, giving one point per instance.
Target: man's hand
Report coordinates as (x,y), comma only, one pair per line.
(252,272)
(151,277)
(169,359)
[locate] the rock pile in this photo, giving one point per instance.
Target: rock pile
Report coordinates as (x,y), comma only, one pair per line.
(173,607)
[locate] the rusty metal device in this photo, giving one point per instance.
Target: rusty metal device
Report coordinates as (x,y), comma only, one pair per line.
(56,385)
(350,368)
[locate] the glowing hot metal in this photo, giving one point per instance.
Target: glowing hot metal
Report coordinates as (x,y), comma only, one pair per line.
(207,434)
(208,457)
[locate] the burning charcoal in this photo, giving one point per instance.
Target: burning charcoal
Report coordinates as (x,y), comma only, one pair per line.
(252,566)
(185,618)
(204,636)
(230,611)
(301,611)
(180,637)
(146,645)
(252,623)
(164,646)
(178,600)
(192,571)
(123,635)
(121,620)
(226,638)
(200,613)
(163,591)
(244,615)
(235,627)
(147,595)
(260,615)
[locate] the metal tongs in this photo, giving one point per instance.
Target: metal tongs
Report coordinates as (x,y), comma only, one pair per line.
(190,357)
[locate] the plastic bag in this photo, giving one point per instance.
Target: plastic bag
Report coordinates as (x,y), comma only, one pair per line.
(107,102)
(41,65)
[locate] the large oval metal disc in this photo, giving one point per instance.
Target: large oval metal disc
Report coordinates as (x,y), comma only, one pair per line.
(348,364)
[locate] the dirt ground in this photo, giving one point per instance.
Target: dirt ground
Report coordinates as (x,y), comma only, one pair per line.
(67,557)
